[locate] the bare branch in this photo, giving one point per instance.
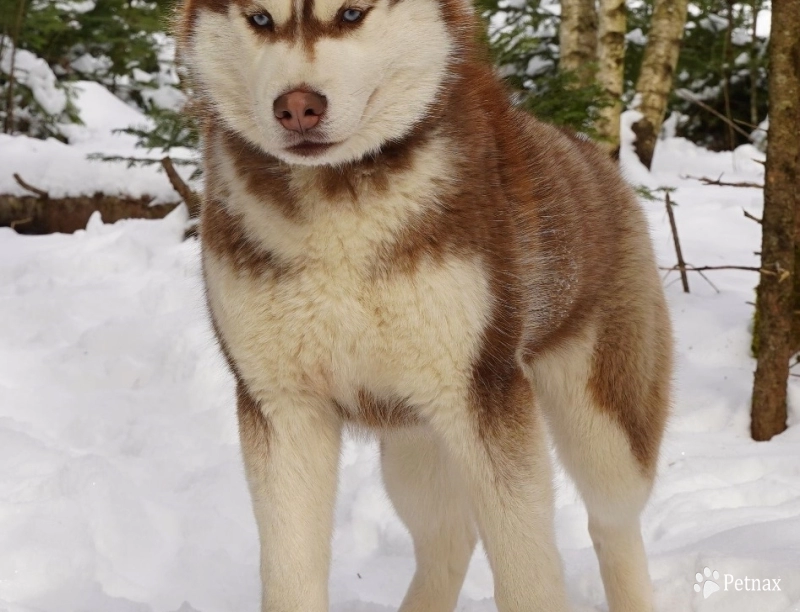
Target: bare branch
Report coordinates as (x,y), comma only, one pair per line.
(29,187)
(753,217)
(720,183)
(686,95)
(708,280)
(690,268)
(750,125)
(678,252)
(189,197)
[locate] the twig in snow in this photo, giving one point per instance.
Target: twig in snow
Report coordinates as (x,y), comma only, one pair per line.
(678,252)
(29,187)
(708,280)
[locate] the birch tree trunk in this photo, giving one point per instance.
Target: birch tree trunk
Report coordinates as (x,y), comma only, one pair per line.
(657,72)
(578,39)
(611,62)
(781,204)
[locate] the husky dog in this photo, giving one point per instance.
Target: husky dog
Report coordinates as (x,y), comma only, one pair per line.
(389,244)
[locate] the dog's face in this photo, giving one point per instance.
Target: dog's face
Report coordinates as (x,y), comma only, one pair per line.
(318,81)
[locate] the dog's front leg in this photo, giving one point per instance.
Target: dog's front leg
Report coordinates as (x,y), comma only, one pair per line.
(497,441)
(291,454)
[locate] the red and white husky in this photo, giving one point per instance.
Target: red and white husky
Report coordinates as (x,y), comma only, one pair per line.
(389,244)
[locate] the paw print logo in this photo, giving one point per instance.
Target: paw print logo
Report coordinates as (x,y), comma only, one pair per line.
(705,583)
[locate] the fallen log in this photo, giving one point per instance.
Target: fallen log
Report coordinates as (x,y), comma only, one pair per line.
(41,214)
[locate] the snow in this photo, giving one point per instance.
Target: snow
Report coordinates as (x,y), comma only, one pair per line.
(764,23)
(538,65)
(34,73)
(513,4)
(122,488)
(88,64)
(80,6)
(166,93)
(713,23)
(741,37)
(636,37)
(66,170)
(743,59)
(759,135)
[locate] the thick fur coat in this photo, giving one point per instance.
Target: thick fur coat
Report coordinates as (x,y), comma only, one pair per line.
(413,256)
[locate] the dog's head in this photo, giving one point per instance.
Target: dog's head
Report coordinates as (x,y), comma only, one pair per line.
(318,81)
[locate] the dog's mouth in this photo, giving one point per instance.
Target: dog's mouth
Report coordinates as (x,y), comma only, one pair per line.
(308,148)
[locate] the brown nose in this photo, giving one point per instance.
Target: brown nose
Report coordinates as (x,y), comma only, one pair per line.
(299,110)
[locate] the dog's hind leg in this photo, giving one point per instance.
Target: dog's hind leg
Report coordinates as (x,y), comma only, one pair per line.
(611,462)
(291,457)
(430,500)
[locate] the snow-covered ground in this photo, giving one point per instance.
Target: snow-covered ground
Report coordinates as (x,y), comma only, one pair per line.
(121,486)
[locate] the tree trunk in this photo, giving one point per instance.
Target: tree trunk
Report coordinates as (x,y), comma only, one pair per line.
(657,72)
(611,62)
(727,66)
(781,203)
(755,8)
(8,126)
(578,39)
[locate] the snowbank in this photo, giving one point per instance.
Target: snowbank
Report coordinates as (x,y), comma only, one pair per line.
(65,169)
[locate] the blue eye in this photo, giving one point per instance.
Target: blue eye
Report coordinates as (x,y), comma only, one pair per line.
(261,20)
(352,15)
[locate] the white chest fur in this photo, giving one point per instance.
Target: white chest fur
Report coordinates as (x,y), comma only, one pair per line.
(328,333)
(327,328)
